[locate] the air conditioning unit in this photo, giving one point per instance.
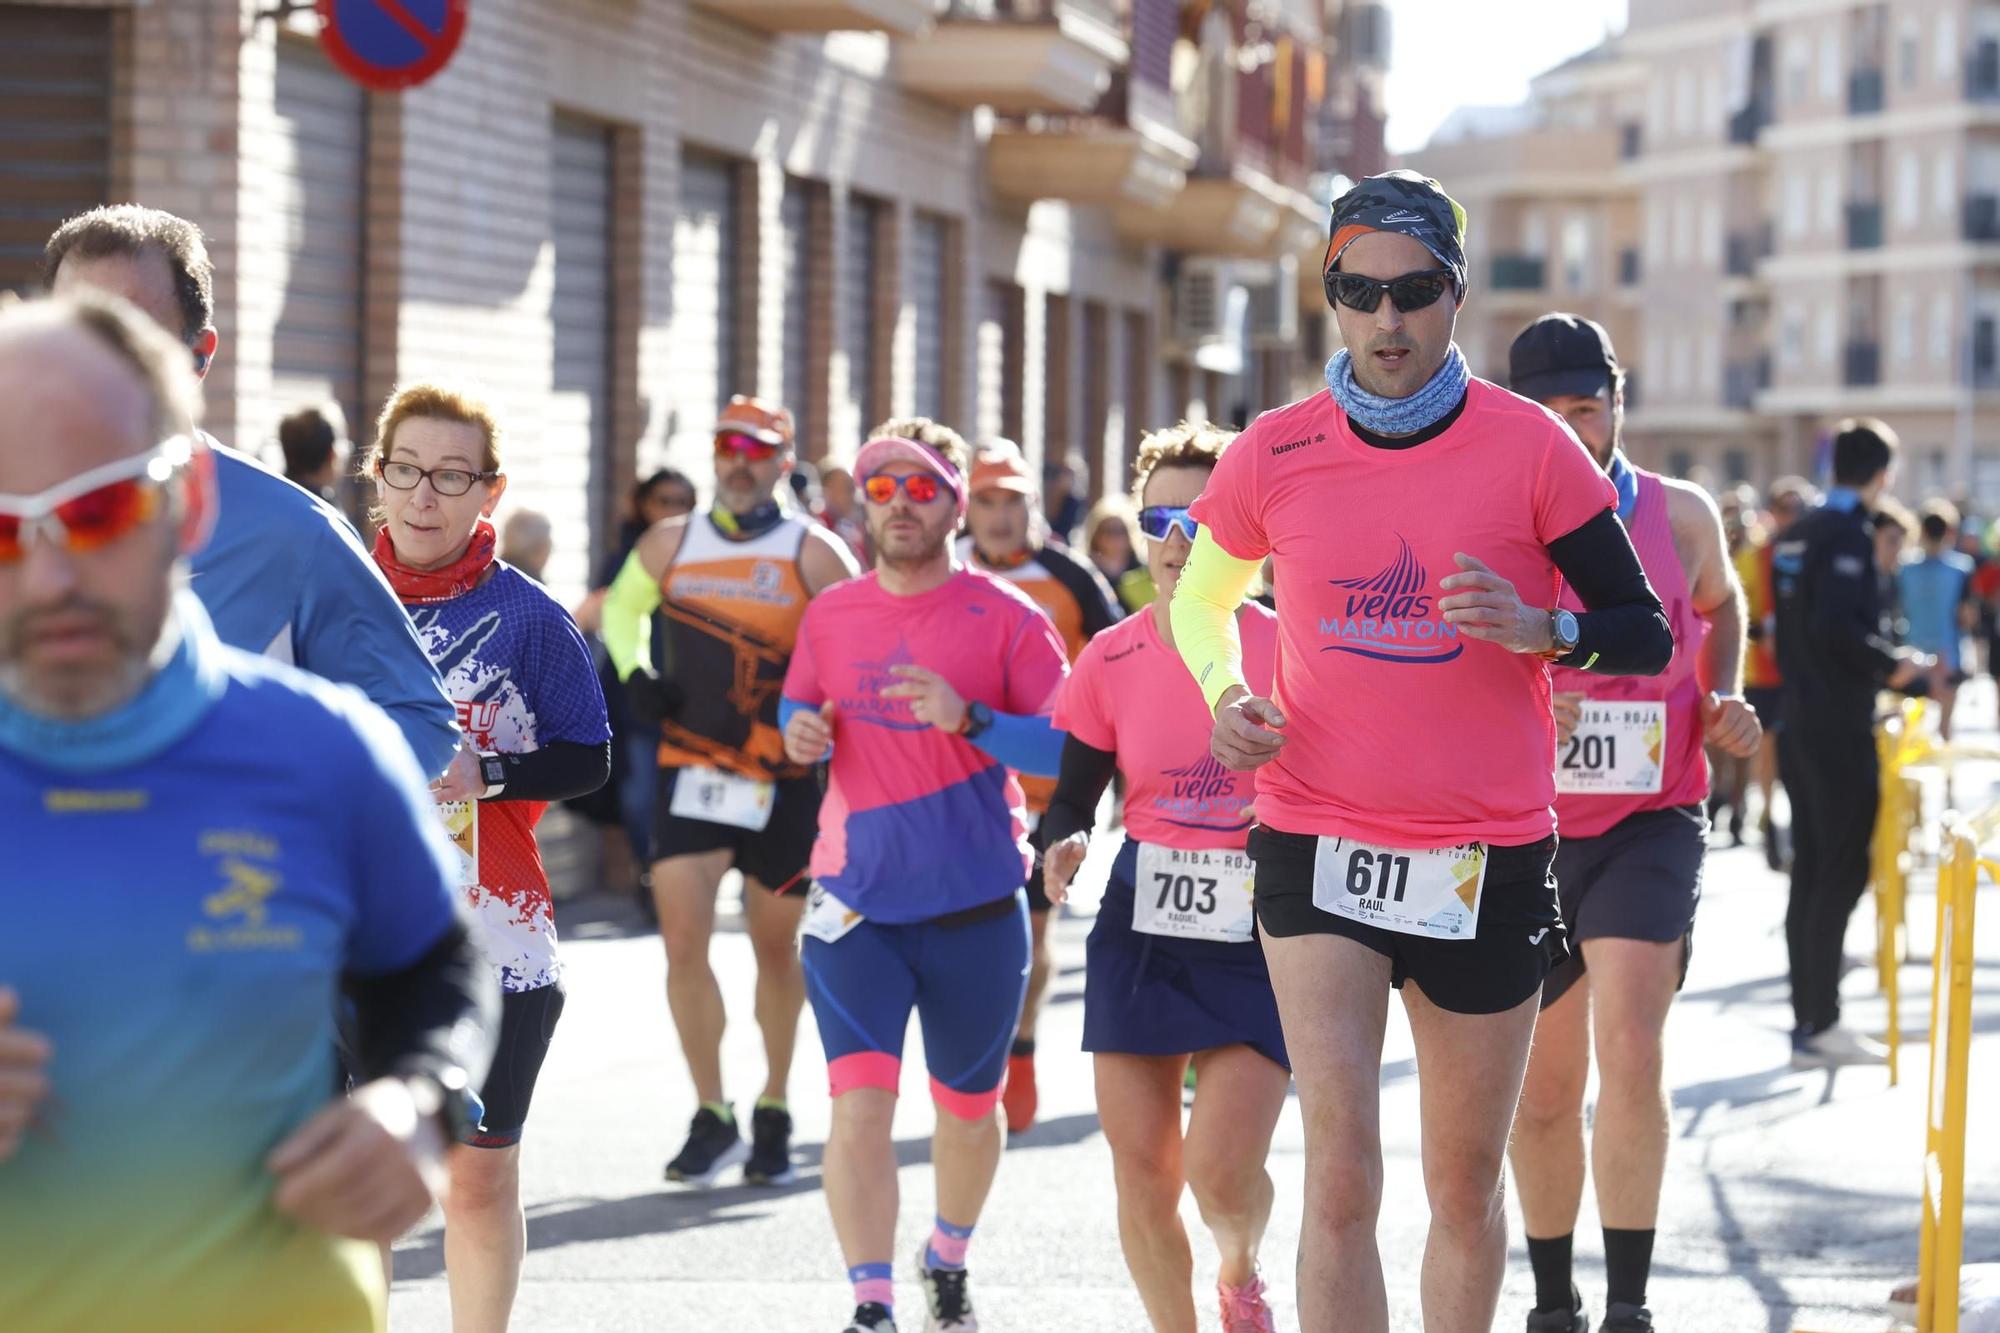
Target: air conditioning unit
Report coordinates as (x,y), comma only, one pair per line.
(1201,302)
(1274,304)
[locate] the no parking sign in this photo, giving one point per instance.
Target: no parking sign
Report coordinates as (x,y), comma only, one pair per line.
(388,45)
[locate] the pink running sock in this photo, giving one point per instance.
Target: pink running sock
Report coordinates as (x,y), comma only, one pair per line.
(948,1245)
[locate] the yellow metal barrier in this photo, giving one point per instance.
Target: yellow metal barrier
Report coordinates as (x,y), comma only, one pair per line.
(1902,744)
(1940,1242)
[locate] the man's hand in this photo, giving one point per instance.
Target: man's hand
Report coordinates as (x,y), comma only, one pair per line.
(649,699)
(1249,732)
(932,699)
(367,1166)
(24,1079)
(1730,724)
(463,780)
(1060,863)
(1569,712)
(809,735)
(1485,606)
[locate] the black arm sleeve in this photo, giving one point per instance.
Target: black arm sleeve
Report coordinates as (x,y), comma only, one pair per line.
(440,1012)
(1624,632)
(1847,613)
(1086,772)
(558,771)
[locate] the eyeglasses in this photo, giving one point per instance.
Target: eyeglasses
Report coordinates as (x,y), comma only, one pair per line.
(1411,291)
(1158,521)
(444,480)
(922,487)
(735,444)
(95,508)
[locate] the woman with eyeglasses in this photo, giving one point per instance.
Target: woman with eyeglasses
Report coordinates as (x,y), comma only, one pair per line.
(1175,971)
(527,696)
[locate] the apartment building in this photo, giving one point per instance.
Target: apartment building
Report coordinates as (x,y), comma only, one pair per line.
(1816,190)
(1063,221)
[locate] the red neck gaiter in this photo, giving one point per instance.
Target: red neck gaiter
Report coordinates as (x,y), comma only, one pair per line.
(437,585)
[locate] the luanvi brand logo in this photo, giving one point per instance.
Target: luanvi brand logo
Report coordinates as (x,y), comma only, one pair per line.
(1389,616)
(1123,653)
(1301,443)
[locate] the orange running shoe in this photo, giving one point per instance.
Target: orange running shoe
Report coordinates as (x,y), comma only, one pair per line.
(1019,1098)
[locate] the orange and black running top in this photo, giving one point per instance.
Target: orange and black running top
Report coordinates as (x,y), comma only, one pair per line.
(732,608)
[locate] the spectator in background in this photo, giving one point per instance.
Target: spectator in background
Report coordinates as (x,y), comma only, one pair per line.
(1061,505)
(1986,591)
(527,540)
(1111,539)
(1730,785)
(840,511)
(314,441)
(805,483)
(1937,604)
(1892,526)
(1789,499)
(665,494)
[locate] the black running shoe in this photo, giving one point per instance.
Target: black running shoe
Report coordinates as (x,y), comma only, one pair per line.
(950,1303)
(713,1146)
(1572,1320)
(873,1317)
(770,1148)
(1622,1318)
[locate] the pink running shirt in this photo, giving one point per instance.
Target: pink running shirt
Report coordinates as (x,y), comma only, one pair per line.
(1684,765)
(1403,733)
(917,824)
(1131,695)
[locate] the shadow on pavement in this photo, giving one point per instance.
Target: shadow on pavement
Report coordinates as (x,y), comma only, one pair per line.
(672,1208)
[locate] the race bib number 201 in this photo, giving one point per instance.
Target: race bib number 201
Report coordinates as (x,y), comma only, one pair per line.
(1431,892)
(1616,748)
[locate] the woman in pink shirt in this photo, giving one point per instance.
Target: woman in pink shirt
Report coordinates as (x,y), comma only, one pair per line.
(1175,971)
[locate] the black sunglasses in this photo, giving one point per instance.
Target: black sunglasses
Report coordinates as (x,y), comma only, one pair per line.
(1411,291)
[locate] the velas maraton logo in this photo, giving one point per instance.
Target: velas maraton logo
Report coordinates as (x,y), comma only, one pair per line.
(1391,616)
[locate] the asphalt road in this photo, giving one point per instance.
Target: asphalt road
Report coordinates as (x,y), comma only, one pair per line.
(1791,1200)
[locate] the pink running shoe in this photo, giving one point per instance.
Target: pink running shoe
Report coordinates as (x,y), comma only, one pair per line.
(1244,1310)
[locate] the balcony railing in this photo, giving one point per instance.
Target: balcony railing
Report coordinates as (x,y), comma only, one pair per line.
(1864,91)
(1982,217)
(1862,364)
(1519,273)
(1864,226)
(1742,380)
(1748,122)
(1628,266)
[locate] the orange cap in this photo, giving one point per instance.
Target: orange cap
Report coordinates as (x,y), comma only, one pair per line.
(1000,467)
(757,419)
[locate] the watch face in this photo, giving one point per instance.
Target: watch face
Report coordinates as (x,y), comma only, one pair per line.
(1566,627)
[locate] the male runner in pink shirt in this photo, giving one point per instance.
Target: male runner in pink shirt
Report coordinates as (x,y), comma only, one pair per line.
(922,684)
(1422,524)
(1631,781)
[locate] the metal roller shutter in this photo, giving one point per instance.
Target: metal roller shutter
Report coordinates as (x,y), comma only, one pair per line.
(319,171)
(705,284)
(577,440)
(927,295)
(792,219)
(858,291)
(55,105)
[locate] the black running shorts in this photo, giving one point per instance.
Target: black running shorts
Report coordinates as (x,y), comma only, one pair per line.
(1639,880)
(527,1025)
(776,857)
(1519,936)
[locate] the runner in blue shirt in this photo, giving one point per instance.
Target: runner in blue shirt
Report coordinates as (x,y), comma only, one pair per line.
(1936,590)
(203,849)
(283,573)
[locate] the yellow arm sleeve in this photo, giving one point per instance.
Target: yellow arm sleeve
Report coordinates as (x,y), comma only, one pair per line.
(628,612)
(1212,586)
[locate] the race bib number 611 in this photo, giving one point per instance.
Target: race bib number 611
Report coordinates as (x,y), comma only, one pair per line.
(1432,892)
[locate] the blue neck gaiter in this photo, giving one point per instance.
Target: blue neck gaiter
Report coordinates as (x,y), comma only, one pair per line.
(1398,416)
(165,710)
(1627,483)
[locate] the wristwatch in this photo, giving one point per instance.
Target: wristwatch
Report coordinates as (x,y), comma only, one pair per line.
(493,772)
(978,717)
(1563,634)
(445,1092)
